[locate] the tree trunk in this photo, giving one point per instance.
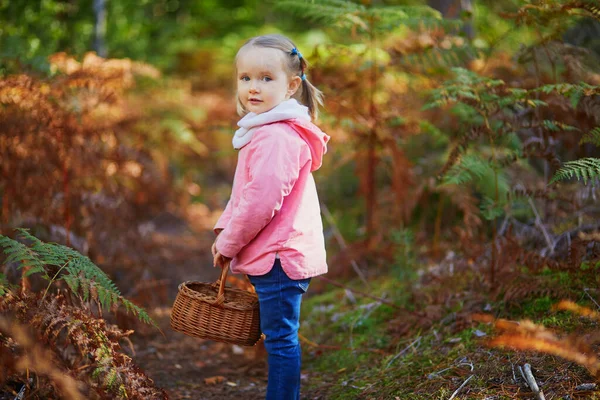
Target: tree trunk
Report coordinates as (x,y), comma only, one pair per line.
(372,144)
(100,27)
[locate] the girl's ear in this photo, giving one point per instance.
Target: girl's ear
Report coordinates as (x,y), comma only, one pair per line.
(293,86)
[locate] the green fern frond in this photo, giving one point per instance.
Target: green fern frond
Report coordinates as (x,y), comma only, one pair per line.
(544,12)
(82,276)
(139,312)
(4,285)
(111,379)
(513,143)
(433,132)
(45,251)
(122,391)
(325,11)
(592,137)
(351,15)
(470,168)
(72,282)
(86,287)
(557,126)
(490,209)
(414,17)
(467,87)
(574,91)
(441,58)
(22,255)
(97,372)
(80,265)
(586,169)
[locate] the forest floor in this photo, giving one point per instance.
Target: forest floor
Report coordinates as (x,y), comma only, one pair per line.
(191,368)
(358,348)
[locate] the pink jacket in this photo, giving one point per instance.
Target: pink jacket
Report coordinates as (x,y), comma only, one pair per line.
(274,207)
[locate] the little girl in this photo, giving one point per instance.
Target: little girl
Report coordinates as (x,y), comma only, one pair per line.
(271,228)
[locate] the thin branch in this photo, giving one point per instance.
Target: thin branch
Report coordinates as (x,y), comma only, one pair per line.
(435,374)
(416,341)
(591,298)
(538,222)
(532,383)
(460,387)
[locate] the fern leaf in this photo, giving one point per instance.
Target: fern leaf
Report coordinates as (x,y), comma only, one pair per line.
(139,312)
(22,255)
(436,57)
(590,6)
(326,11)
(571,90)
(4,285)
(45,251)
(350,15)
(583,169)
(592,136)
(72,282)
(85,286)
(557,126)
(468,169)
(467,87)
(83,274)
(490,209)
(112,378)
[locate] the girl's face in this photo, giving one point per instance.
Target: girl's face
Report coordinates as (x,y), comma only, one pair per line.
(262,81)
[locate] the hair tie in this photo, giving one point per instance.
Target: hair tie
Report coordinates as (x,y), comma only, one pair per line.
(295,52)
(303,77)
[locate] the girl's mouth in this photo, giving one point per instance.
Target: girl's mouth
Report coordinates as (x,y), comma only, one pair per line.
(255,101)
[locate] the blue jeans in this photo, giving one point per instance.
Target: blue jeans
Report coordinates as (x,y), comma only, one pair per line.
(279,298)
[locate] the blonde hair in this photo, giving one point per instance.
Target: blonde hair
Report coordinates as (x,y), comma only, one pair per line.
(307,93)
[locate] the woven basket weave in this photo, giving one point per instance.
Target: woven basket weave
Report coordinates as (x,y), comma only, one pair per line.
(208,311)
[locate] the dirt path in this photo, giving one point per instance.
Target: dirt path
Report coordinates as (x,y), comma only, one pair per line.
(190,368)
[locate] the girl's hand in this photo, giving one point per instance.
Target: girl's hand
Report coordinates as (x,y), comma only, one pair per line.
(213,249)
(220,260)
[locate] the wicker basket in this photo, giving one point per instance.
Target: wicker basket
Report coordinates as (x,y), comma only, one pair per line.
(208,311)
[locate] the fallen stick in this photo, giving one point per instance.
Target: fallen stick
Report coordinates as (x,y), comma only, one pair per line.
(460,387)
(532,383)
(416,341)
(538,222)
(591,298)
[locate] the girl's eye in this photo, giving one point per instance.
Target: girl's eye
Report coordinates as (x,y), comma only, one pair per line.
(267,79)
(245,78)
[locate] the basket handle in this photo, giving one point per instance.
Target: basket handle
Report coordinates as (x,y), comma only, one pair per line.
(221,294)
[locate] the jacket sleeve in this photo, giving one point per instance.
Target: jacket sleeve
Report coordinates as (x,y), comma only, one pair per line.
(223,219)
(274,160)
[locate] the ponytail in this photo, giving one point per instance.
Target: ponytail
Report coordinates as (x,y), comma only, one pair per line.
(308,94)
(312,98)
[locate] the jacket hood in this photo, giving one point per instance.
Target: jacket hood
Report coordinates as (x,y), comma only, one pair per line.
(313,136)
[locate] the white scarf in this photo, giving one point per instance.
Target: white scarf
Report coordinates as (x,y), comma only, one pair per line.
(288,109)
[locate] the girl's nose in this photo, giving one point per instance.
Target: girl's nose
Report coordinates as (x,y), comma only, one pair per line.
(253,87)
